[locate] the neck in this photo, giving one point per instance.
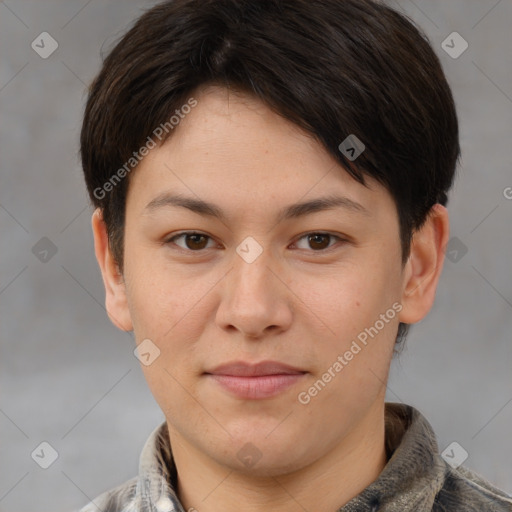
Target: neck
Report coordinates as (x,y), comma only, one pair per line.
(327,484)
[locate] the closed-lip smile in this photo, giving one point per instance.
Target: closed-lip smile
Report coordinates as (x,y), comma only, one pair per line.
(255,380)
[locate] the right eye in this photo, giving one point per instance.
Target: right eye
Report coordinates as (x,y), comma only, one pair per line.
(193,241)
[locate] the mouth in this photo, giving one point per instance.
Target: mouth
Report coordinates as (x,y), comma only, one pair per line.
(255,381)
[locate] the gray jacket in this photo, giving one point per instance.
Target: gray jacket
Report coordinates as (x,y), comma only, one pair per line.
(415,479)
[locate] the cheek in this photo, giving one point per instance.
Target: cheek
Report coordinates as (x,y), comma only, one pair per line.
(360,310)
(346,301)
(160,297)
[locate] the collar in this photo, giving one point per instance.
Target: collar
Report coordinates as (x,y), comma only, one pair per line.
(410,481)
(415,472)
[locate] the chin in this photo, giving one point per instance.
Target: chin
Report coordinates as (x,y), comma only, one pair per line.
(268,465)
(262,455)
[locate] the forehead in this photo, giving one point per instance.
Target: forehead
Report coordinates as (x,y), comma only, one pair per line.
(232,148)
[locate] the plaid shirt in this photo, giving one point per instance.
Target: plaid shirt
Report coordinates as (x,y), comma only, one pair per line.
(415,479)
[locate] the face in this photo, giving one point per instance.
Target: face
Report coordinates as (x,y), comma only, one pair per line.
(315,291)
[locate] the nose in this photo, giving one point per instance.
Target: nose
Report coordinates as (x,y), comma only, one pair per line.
(255,300)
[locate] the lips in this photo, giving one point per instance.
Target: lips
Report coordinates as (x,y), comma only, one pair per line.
(255,381)
(243,369)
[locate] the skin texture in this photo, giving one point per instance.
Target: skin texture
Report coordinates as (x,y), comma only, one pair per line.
(301,303)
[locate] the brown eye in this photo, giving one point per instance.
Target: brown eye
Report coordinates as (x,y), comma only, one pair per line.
(195,241)
(192,241)
(318,241)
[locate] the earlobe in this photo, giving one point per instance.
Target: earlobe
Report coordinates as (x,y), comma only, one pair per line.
(115,289)
(424,266)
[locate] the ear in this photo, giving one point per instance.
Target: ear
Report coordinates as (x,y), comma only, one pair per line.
(424,265)
(115,301)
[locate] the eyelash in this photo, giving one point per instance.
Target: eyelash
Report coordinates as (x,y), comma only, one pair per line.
(189,233)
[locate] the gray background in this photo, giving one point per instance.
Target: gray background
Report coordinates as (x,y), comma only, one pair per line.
(67,376)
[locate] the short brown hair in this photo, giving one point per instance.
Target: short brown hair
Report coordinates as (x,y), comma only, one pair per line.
(335,68)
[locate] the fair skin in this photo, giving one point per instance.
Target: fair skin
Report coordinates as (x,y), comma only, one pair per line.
(302,302)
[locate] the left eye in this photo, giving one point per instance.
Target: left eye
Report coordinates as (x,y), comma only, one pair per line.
(197,241)
(318,241)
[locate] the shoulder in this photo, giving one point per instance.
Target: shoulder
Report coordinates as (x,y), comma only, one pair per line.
(466,491)
(119,499)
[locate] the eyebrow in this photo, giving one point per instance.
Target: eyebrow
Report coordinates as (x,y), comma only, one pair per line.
(292,211)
